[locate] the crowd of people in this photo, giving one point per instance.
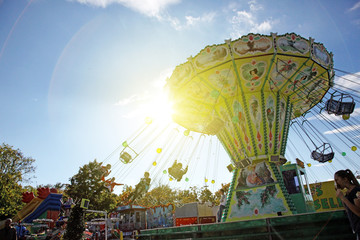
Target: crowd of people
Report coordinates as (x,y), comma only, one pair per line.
(17,231)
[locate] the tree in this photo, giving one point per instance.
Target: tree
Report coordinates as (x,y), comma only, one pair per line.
(206,196)
(160,195)
(75,225)
(87,184)
(123,198)
(29,188)
(14,169)
(163,195)
(187,196)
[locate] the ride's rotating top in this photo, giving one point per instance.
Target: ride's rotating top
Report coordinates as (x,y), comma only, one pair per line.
(248,90)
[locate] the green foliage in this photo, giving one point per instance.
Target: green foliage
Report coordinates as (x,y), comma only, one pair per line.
(29,188)
(160,195)
(87,184)
(163,194)
(123,198)
(206,196)
(76,225)
(225,187)
(14,169)
(188,196)
(10,198)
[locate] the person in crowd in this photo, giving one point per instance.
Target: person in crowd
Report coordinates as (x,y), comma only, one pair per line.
(345,179)
(20,231)
(222,204)
(8,232)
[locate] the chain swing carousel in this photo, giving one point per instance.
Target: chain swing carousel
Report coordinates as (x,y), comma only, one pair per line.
(247,92)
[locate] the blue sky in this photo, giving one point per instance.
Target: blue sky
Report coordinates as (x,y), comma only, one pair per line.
(78,77)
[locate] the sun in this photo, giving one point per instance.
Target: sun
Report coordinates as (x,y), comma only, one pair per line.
(158,108)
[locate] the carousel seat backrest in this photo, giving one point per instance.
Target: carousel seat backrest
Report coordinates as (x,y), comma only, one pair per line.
(125,157)
(321,157)
(338,107)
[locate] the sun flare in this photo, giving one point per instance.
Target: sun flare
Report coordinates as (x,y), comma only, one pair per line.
(158,108)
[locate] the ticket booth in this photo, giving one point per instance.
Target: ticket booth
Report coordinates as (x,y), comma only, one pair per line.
(294,178)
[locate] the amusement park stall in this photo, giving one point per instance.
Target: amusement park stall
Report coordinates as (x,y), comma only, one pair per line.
(134,218)
(325,197)
(195,213)
(160,216)
(129,218)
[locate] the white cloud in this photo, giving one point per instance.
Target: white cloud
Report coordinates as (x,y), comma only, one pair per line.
(244,16)
(350,81)
(244,22)
(356,112)
(136,103)
(343,129)
(318,165)
(132,99)
(356,6)
(254,6)
(263,27)
(241,23)
(326,116)
(174,22)
(332,117)
(205,18)
(190,21)
(152,8)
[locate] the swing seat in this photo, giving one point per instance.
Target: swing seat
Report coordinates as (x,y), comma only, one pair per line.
(340,104)
(176,174)
(339,108)
(321,157)
(125,157)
